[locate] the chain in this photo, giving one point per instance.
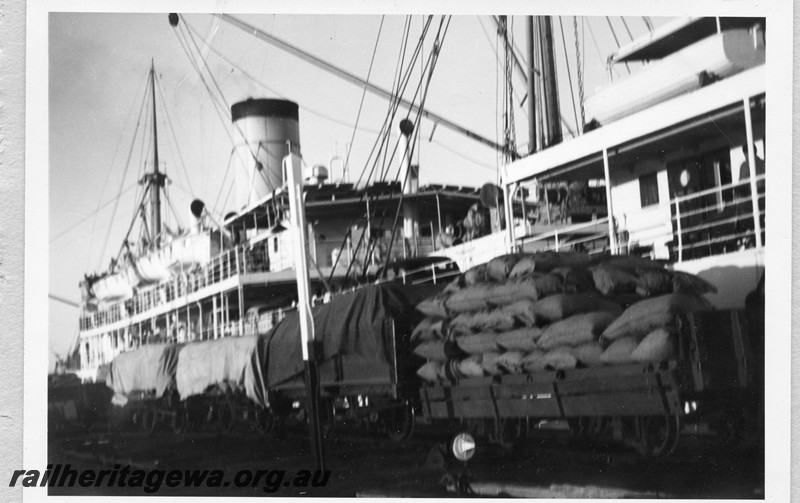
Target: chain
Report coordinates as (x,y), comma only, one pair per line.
(580,71)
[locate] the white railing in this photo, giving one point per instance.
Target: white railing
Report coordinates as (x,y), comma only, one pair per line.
(708,222)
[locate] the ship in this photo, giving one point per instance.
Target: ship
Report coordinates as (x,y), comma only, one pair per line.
(660,170)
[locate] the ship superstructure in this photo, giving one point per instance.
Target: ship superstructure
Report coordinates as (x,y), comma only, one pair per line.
(678,152)
(237,278)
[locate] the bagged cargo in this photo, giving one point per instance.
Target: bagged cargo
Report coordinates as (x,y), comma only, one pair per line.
(471,367)
(431,371)
(612,280)
(511,292)
(511,362)
(429,329)
(560,306)
(560,358)
(482,321)
(589,353)
(523,339)
(575,280)
(524,265)
(489,363)
(533,361)
(434,307)
(684,282)
(475,275)
(658,345)
(647,315)
(521,312)
(576,329)
(619,352)
(477,344)
(468,300)
(431,350)
(500,267)
(652,282)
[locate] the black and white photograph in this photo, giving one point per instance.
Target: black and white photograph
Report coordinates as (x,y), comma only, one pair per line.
(339,250)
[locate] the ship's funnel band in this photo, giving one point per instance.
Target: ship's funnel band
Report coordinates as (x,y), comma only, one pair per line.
(264,108)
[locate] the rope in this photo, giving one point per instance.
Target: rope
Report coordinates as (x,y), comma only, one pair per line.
(579,66)
(113,162)
(364,93)
(616,40)
(119,193)
(597,49)
(175,139)
(569,72)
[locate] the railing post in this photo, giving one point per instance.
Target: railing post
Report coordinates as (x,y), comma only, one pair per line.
(751,164)
(680,231)
(612,237)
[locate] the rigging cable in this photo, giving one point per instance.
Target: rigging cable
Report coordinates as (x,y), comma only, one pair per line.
(616,40)
(262,84)
(119,193)
(435,54)
(402,84)
(214,99)
(579,66)
(364,92)
(569,72)
(175,139)
(100,207)
(113,161)
(603,62)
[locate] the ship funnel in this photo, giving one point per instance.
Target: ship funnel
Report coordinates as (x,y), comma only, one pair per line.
(264,129)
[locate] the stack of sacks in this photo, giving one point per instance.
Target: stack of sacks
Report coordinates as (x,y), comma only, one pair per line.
(525,313)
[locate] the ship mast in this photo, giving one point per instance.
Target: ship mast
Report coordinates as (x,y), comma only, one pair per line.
(155,180)
(544,104)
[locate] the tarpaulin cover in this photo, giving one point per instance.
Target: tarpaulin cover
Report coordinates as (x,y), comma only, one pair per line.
(353,328)
(230,363)
(149,368)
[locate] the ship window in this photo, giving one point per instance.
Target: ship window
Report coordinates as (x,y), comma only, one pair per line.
(648,189)
(275,244)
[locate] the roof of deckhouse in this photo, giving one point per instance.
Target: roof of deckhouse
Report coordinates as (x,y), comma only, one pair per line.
(343,200)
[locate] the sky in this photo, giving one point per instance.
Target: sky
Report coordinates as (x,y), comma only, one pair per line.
(98,65)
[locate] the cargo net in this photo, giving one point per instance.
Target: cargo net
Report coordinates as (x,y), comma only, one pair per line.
(526,313)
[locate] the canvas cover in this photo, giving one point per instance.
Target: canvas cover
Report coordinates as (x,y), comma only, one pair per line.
(149,368)
(355,331)
(230,363)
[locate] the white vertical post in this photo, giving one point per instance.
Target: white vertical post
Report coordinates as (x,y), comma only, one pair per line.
(751,164)
(508,200)
(293,167)
(612,237)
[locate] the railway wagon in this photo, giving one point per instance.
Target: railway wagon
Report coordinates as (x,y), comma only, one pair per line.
(713,386)
(705,378)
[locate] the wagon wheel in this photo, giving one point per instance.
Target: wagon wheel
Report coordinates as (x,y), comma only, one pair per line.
(180,419)
(149,420)
(398,422)
(265,421)
(508,432)
(225,417)
(327,418)
(587,428)
(657,436)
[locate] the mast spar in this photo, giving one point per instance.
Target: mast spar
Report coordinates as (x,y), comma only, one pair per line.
(155,179)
